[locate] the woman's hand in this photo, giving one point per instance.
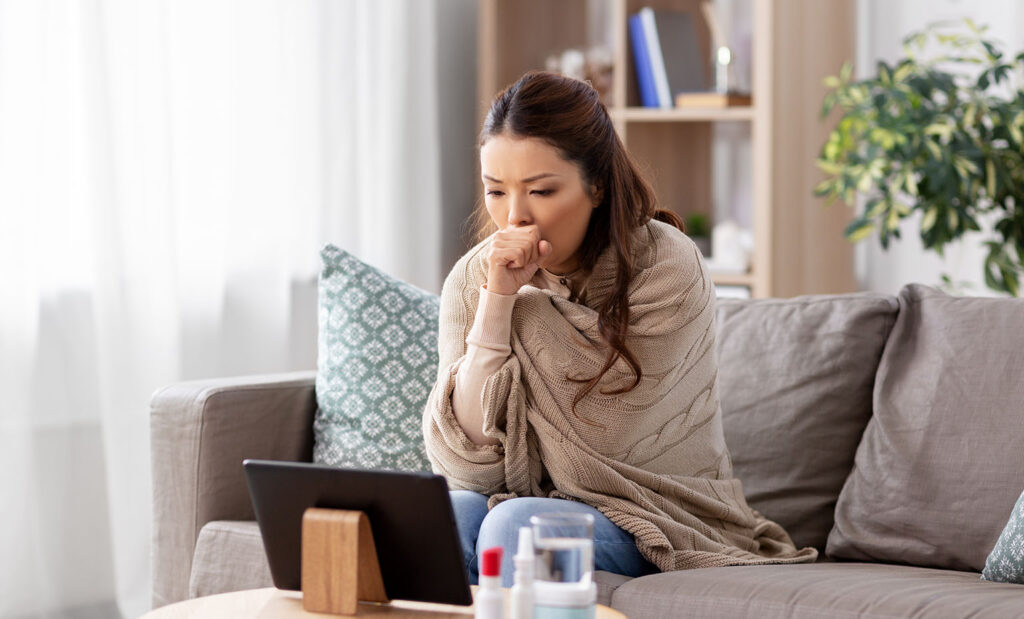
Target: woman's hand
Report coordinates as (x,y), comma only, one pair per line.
(515,255)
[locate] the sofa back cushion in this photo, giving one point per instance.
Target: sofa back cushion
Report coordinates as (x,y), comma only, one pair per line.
(940,465)
(376,364)
(795,381)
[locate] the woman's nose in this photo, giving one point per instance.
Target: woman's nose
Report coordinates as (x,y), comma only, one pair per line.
(519,212)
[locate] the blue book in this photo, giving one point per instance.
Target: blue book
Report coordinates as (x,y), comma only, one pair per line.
(642,60)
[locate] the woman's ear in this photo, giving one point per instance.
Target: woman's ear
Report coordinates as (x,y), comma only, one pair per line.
(597,194)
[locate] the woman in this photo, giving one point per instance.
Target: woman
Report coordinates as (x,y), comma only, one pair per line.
(577,365)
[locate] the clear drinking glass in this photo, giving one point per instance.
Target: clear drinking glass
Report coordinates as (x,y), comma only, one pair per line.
(563,546)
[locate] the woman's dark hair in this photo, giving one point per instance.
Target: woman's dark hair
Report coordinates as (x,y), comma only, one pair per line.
(568,114)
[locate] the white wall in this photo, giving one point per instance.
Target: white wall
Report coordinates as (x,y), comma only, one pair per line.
(881,26)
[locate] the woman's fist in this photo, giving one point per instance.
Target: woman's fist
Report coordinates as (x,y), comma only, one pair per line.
(515,255)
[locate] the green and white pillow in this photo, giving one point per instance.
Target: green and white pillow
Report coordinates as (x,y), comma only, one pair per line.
(1006,561)
(377,361)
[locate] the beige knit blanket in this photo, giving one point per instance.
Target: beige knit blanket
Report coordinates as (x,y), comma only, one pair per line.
(653,460)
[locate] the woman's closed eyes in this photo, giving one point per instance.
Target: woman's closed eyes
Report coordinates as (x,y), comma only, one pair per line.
(539,192)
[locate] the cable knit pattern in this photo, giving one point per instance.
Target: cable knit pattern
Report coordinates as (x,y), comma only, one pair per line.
(652,460)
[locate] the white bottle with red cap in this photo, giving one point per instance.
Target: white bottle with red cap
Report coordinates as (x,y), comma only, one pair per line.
(489,602)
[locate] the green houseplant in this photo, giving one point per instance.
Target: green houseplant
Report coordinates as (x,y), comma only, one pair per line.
(698,229)
(941,134)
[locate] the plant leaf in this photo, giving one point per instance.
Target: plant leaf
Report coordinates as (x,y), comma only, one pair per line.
(845,72)
(824,188)
(903,71)
(1010,279)
(969,114)
(884,75)
(859,230)
(1017,128)
(941,129)
(829,167)
(965,165)
(911,184)
(874,208)
(929,219)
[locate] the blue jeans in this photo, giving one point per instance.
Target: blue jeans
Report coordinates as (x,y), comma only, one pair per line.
(479,529)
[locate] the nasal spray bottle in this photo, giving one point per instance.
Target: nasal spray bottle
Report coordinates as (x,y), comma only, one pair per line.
(522,588)
(490,599)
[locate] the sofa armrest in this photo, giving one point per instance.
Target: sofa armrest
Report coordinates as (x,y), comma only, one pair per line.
(200,431)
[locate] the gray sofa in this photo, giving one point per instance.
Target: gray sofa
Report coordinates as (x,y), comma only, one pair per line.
(885,431)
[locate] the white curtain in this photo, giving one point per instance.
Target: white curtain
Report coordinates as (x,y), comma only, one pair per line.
(168,171)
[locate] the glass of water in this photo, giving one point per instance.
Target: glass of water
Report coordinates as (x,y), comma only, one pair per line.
(563,546)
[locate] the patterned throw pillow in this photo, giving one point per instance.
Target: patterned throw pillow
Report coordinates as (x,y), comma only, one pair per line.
(377,361)
(1006,561)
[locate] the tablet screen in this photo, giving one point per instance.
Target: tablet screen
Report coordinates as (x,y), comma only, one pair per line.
(410,515)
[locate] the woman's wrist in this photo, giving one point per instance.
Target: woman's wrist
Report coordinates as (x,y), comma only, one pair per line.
(496,285)
(492,323)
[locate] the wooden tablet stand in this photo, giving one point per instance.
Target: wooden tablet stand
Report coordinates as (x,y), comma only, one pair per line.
(339,562)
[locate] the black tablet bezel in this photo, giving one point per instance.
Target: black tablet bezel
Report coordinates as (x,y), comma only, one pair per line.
(410,515)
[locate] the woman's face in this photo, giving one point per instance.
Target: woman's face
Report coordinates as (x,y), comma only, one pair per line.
(527,182)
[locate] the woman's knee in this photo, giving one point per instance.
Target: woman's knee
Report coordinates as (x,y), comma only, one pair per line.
(506,517)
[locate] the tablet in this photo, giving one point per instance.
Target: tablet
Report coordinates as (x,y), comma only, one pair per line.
(410,515)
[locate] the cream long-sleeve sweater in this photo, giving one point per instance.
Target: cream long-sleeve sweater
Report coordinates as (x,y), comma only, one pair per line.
(653,460)
(487,345)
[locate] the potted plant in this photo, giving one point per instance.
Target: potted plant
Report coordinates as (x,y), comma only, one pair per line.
(942,135)
(699,231)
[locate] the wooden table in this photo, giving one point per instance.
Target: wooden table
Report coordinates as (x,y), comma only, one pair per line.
(272,603)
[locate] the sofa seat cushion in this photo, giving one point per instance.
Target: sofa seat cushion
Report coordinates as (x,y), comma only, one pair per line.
(834,590)
(229,556)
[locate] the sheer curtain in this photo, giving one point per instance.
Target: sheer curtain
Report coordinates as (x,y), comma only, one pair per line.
(168,171)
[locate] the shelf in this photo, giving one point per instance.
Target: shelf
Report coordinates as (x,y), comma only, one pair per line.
(696,114)
(760,168)
(733,279)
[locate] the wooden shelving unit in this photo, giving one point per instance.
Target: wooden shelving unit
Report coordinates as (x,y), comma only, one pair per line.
(798,242)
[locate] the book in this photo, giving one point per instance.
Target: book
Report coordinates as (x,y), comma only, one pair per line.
(644,76)
(712,99)
(674,55)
